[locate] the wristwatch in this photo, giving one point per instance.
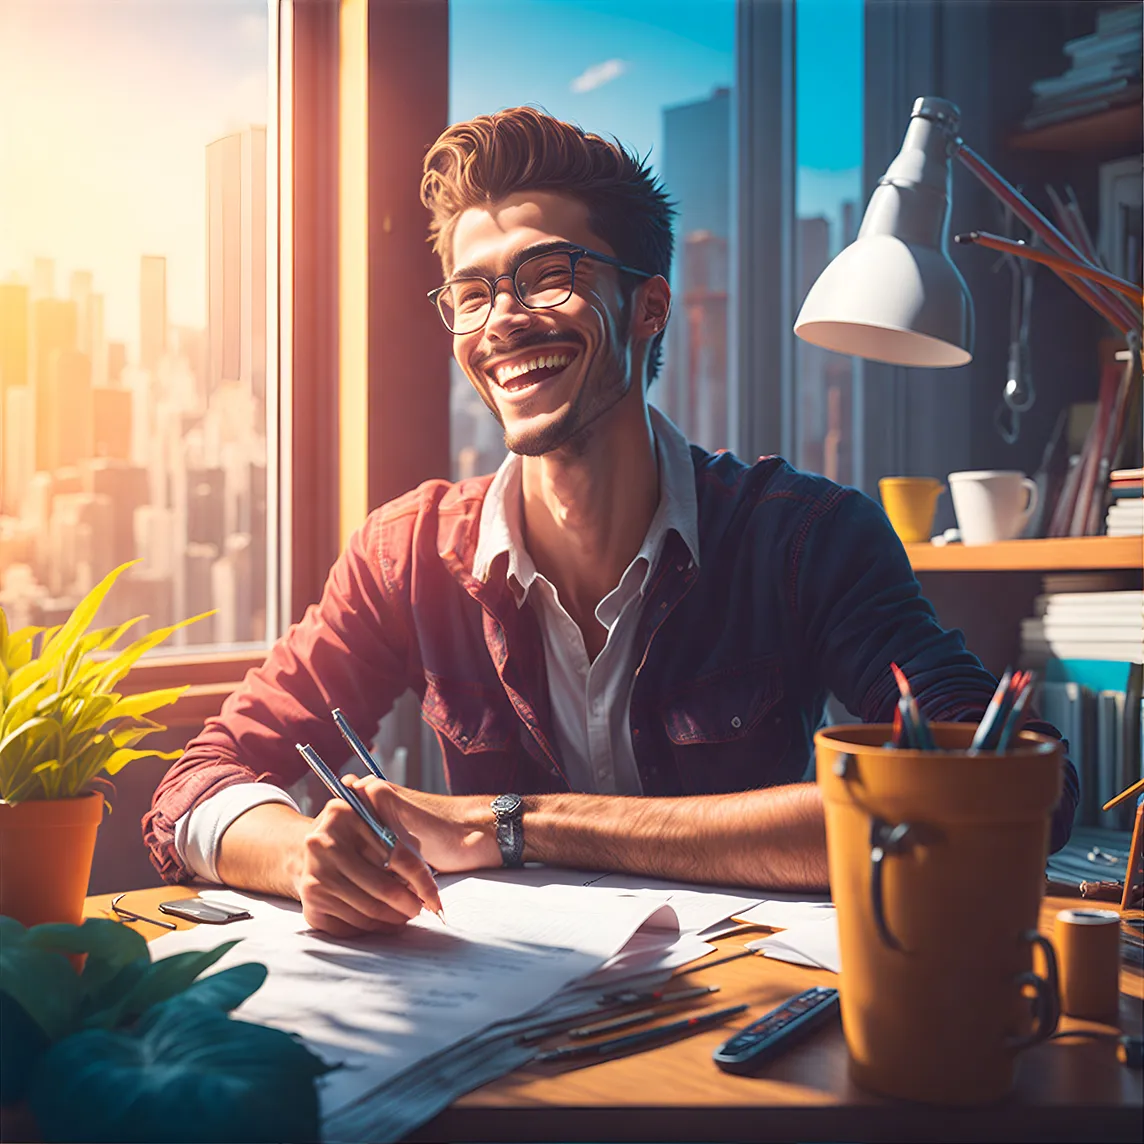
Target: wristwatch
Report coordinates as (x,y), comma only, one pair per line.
(509,811)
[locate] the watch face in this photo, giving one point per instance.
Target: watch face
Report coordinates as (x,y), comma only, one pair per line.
(506,803)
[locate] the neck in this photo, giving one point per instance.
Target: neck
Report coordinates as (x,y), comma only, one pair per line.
(587,511)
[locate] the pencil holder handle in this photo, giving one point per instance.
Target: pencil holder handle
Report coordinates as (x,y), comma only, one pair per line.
(1046,995)
(885,840)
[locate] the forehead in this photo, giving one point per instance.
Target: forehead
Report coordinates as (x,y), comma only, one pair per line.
(488,236)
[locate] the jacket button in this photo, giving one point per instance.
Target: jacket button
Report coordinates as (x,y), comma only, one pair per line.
(736,722)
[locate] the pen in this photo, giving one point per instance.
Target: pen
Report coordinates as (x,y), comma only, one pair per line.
(644,1038)
(359,748)
(339,790)
(641,1015)
(717,961)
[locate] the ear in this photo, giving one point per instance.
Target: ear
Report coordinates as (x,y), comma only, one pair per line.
(651,307)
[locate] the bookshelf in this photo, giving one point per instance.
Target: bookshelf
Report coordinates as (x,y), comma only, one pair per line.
(1056,554)
(1114,129)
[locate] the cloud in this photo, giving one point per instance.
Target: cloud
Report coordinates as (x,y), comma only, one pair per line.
(598,75)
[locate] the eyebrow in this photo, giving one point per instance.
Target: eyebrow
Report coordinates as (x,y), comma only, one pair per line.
(546,247)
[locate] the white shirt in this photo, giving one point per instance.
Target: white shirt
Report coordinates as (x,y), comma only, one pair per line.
(590,700)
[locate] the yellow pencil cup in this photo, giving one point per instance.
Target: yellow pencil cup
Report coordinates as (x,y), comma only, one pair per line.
(910,503)
(937,869)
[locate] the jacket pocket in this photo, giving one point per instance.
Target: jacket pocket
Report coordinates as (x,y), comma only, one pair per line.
(723,706)
(471,716)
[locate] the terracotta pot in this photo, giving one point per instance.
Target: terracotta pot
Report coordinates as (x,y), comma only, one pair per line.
(46,848)
(937,869)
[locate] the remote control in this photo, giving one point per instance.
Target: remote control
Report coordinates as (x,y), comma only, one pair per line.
(765,1038)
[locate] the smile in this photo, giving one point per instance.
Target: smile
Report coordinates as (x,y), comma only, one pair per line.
(531,370)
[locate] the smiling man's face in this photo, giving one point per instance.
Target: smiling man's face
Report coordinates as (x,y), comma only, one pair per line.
(546,375)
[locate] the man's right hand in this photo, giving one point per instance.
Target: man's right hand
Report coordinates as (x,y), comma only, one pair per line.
(332,864)
(345,884)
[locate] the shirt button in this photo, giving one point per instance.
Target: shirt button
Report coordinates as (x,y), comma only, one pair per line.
(736,722)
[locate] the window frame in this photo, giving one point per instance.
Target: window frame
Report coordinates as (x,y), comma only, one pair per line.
(302,472)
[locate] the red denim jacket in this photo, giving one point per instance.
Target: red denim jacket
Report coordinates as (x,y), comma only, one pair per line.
(802,589)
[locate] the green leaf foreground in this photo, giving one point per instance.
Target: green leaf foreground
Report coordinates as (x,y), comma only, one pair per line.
(62,723)
(131,1049)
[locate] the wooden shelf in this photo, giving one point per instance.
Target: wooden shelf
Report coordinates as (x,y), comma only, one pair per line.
(1065,553)
(1115,127)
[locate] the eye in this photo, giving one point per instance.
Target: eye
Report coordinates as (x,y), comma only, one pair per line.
(470,296)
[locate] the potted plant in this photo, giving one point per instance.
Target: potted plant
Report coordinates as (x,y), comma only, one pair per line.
(63,728)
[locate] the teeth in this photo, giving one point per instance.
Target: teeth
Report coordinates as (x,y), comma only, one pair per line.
(544,361)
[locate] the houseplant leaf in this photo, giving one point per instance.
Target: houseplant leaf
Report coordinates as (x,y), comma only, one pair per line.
(187,1072)
(164,979)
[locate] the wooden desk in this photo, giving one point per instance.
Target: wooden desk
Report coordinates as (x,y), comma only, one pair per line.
(1065,1090)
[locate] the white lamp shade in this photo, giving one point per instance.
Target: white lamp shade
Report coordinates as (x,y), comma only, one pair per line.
(892,301)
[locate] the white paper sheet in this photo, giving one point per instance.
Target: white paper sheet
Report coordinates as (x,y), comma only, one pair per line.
(785,913)
(380,1003)
(814,944)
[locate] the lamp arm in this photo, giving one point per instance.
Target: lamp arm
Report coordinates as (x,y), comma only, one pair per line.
(1114,309)
(1065,266)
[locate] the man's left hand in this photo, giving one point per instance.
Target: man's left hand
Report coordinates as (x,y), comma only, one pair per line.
(452,833)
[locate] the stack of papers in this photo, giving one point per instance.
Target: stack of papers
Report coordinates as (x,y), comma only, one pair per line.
(422,1016)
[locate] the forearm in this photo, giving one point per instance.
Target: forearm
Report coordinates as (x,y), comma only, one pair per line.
(262,850)
(774,837)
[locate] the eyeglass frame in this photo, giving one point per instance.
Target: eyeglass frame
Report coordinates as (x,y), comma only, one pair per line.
(575,255)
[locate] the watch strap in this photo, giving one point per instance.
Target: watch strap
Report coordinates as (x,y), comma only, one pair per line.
(510,829)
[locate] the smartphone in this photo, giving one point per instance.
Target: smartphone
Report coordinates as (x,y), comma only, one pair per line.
(200,910)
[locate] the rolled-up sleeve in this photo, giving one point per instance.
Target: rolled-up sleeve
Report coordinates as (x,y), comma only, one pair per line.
(350,650)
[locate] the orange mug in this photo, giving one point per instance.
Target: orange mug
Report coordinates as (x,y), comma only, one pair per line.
(910,503)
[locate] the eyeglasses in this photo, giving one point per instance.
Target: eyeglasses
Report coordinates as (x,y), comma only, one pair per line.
(541,282)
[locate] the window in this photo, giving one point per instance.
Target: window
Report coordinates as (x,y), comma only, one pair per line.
(136,303)
(657,74)
(829,78)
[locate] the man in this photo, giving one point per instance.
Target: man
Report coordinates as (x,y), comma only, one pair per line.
(634,635)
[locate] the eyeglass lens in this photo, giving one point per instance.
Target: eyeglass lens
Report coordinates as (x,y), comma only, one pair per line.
(541,283)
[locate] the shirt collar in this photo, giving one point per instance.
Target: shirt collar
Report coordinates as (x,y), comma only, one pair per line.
(501,529)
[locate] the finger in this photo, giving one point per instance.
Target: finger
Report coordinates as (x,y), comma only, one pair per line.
(410,867)
(344,853)
(334,891)
(336,917)
(405,860)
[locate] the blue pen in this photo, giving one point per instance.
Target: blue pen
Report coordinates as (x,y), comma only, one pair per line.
(359,748)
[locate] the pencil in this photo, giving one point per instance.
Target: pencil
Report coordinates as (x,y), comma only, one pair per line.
(645,1038)
(339,790)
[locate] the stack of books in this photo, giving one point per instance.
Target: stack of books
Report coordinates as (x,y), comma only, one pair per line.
(1084,625)
(1125,515)
(1086,645)
(1103,72)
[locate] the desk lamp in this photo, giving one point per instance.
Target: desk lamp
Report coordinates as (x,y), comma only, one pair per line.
(894,295)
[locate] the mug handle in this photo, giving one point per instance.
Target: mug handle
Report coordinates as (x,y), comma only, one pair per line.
(1030,486)
(1047,998)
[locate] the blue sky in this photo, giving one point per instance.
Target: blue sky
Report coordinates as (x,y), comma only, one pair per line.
(613,65)
(117,99)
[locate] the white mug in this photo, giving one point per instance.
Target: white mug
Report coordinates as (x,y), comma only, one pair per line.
(992,504)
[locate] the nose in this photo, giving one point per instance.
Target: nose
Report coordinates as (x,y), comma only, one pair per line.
(508,312)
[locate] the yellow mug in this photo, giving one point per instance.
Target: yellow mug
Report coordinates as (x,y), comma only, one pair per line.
(910,503)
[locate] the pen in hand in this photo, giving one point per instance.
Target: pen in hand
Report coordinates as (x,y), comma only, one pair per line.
(380,831)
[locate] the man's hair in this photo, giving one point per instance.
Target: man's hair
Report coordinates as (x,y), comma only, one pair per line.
(490,157)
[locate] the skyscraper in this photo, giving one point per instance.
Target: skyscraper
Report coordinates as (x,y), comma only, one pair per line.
(236,261)
(54,332)
(152,311)
(697,175)
(13,334)
(69,375)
